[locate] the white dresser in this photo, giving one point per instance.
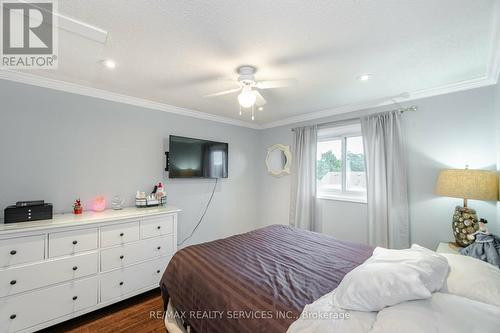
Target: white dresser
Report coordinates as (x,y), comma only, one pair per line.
(55,270)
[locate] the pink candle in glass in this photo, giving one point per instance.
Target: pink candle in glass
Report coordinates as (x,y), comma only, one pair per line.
(99,204)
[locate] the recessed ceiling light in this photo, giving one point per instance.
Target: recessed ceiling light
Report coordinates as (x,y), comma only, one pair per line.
(260,108)
(365,77)
(109,63)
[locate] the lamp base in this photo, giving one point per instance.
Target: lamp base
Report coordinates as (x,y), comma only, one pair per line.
(464,225)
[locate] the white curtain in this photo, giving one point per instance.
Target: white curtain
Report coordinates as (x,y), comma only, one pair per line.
(386,170)
(303,188)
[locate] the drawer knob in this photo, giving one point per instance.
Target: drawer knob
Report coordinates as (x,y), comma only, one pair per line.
(121,234)
(75,242)
(75,298)
(121,283)
(75,268)
(158,227)
(158,272)
(13,282)
(13,252)
(159,247)
(13,316)
(121,257)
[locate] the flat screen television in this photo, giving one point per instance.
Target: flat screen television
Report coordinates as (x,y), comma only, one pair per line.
(197,158)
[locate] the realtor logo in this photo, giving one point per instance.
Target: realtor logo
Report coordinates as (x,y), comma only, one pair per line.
(29,34)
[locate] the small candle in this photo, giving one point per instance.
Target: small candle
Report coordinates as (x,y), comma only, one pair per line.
(99,204)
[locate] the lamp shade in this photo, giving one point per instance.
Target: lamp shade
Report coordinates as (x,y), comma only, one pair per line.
(468,184)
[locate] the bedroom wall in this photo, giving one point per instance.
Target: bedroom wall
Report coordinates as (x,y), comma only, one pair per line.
(451,131)
(447,131)
(497,114)
(342,219)
(58,146)
(82,146)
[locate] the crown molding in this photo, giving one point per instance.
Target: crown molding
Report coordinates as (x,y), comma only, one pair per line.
(74,88)
(388,100)
(40,81)
(491,77)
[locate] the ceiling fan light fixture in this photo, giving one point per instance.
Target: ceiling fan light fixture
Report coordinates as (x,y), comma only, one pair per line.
(247,98)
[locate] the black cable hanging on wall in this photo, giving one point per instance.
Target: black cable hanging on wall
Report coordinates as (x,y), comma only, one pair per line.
(202,216)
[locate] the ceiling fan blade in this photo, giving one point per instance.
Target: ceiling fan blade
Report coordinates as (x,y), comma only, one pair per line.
(260,99)
(225,92)
(270,84)
(227,78)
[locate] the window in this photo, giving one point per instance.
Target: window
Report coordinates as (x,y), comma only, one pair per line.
(340,164)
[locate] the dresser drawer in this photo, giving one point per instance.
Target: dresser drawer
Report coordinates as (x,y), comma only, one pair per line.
(119,234)
(157,227)
(29,309)
(127,280)
(16,280)
(70,242)
(130,253)
(21,250)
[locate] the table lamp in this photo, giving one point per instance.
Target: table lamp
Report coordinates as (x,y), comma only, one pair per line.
(467,184)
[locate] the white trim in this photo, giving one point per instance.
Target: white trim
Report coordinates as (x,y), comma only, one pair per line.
(441,90)
(323,196)
(74,88)
(451,88)
(334,132)
(342,134)
(81,28)
(343,178)
(490,78)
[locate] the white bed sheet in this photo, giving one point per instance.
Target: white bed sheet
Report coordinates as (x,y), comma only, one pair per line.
(440,313)
(173,324)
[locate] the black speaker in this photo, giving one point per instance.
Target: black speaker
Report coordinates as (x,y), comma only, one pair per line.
(18,213)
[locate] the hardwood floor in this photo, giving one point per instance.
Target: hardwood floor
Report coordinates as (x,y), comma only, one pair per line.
(132,315)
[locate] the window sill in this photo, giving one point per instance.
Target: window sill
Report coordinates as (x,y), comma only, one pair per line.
(333,197)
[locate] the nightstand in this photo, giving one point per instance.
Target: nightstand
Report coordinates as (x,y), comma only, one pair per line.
(445,247)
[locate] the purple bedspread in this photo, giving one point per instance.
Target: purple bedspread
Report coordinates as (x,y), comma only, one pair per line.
(257,281)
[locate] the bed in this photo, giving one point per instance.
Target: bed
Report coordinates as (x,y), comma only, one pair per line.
(258,281)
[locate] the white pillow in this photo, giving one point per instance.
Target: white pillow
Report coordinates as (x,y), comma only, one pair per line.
(432,267)
(472,278)
(390,277)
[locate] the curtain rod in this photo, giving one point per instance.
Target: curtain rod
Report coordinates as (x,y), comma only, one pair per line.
(351,120)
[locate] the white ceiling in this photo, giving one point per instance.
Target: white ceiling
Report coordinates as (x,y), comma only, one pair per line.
(173,52)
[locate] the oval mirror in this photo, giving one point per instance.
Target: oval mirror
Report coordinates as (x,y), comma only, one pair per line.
(278,159)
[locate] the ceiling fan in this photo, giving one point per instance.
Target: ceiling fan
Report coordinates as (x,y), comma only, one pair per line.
(248,88)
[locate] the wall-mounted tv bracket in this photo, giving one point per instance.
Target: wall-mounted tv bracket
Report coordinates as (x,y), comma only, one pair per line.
(167,166)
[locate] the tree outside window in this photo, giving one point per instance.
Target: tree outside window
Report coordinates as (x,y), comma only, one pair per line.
(340,167)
